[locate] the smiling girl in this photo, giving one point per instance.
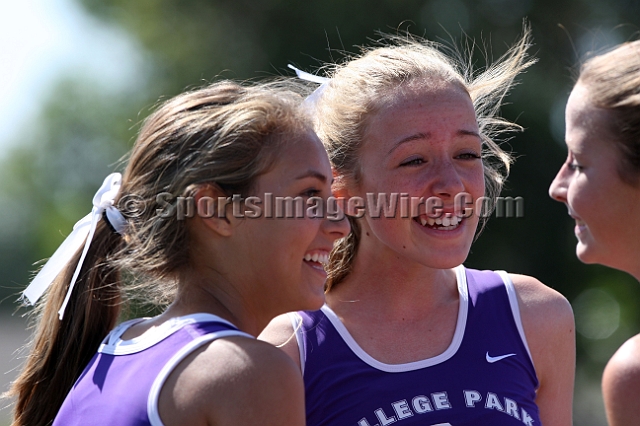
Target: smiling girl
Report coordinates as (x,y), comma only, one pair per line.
(408,334)
(225,275)
(600,184)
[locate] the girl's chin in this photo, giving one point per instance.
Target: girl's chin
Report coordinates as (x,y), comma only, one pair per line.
(584,254)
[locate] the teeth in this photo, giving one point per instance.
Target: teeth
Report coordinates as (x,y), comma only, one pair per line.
(448,222)
(316,257)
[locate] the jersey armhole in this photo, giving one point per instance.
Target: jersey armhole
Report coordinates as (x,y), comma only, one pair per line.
(515,310)
(154,394)
(296,323)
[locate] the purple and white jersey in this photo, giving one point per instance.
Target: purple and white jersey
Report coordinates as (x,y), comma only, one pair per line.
(122,383)
(485,377)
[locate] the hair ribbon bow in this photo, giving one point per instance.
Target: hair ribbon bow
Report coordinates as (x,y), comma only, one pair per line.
(83,231)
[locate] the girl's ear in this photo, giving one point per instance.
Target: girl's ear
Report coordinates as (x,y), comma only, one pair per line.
(212,208)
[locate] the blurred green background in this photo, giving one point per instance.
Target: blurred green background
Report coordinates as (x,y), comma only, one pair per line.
(85,124)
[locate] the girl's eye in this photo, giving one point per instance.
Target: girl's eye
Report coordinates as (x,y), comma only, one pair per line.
(469,156)
(574,166)
(412,162)
(572,162)
(312,192)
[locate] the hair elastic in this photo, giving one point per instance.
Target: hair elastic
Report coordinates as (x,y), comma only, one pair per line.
(82,232)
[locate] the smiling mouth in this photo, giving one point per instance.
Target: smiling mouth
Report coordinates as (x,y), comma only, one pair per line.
(447,223)
(320,258)
(317,260)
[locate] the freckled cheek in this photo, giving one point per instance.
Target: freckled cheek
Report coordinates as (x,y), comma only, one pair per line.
(379,183)
(414,187)
(475,184)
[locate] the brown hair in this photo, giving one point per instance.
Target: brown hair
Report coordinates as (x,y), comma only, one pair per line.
(224,134)
(361,86)
(613,84)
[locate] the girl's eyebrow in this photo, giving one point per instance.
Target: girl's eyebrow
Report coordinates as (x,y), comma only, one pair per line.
(313,173)
(461,132)
(409,139)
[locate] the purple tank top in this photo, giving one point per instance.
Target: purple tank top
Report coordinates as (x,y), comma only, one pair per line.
(485,377)
(122,383)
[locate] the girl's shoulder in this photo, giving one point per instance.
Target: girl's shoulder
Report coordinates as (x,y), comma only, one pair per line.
(547,319)
(230,379)
(281,333)
(621,384)
(540,303)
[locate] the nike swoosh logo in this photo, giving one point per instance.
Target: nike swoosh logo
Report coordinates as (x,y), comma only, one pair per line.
(492,359)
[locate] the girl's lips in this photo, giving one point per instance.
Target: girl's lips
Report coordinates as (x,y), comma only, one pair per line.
(573,214)
(442,231)
(317,267)
(317,259)
(447,222)
(580,227)
(579,222)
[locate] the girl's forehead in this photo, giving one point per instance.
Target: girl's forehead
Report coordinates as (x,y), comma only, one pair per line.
(416,89)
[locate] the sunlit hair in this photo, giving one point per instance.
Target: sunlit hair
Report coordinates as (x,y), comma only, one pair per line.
(613,84)
(224,135)
(364,84)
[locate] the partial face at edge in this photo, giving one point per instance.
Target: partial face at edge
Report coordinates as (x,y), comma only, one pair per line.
(604,207)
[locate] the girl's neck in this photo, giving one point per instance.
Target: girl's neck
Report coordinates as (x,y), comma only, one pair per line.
(214,295)
(394,286)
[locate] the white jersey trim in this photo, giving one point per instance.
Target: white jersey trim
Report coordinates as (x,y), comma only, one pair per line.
(154,394)
(515,310)
(461,323)
(114,345)
(296,323)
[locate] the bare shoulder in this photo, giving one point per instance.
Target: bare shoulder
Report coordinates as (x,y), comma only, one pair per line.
(234,380)
(547,319)
(541,306)
(621,384)
(246,356)
(626,360)
(281,333)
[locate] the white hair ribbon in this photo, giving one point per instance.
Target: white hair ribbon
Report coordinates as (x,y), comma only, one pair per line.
(308,77)
(83,231)
(323,81)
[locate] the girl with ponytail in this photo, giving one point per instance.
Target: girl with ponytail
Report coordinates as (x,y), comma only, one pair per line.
(168,232)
